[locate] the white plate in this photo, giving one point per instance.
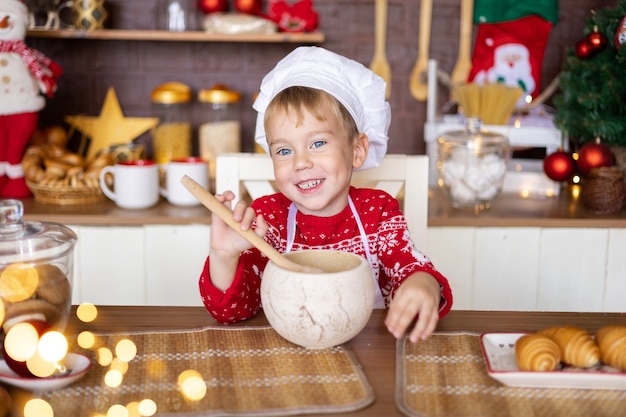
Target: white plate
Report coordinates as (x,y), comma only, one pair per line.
(499,351)
(77,363)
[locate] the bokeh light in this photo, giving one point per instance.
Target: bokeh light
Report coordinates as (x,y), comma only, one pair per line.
(192,385)
(39,366)
(2,311)
(113,378)
(125,350)
(53,346)
(20,342)
(105,356)
(86,339)
(18,282)
(86,312)
(38,408)
(117,410)
(147,407)
(119,365)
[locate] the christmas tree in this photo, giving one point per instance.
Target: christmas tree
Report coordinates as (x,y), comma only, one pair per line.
(592,102)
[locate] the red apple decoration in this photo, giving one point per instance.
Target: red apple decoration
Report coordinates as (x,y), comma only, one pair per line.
(253,7)
(559,166)
(212,6)
(594,155)
(19,366)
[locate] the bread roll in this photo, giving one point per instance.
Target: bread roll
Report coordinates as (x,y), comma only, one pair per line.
(612,343)
(577,346)
(535,352)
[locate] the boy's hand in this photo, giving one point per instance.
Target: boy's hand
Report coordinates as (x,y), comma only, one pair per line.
(418,295)
(227,244)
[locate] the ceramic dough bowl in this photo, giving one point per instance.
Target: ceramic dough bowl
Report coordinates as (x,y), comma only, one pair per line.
(319,310)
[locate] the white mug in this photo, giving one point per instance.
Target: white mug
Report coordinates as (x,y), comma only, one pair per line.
(176,193)
(135,183)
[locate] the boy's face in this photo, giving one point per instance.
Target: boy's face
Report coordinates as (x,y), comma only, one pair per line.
(313,161)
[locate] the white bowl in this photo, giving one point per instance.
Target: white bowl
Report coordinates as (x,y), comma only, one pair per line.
(319,310)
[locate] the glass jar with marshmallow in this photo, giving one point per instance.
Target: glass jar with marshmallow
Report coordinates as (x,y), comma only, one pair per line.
(472,165)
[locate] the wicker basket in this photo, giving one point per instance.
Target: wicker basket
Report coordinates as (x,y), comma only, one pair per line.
(66,195)
(604,190)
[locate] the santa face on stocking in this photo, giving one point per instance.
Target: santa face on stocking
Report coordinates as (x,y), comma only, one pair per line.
(511,66)
(25,73)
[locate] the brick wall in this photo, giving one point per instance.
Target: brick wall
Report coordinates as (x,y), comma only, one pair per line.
(134,68)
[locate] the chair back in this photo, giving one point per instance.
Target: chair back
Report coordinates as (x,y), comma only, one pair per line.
(405,177)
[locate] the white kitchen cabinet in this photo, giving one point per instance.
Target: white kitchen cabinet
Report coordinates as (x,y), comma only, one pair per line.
(532,268)
(174,257)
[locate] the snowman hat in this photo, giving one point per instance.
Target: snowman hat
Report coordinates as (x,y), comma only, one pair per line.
(14,6)
(358,88)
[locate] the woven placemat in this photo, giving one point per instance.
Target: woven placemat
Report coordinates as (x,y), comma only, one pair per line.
(248,371)
(446,376)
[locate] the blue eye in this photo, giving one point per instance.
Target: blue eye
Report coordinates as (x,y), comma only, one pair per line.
(283,151)
(319,143)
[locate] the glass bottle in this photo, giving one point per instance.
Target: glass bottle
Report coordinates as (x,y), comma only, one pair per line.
(220,128)
(171,138)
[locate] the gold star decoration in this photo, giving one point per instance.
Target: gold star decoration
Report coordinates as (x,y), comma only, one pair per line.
(111,127)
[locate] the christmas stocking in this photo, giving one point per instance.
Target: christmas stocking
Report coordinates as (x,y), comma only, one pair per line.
(510,42)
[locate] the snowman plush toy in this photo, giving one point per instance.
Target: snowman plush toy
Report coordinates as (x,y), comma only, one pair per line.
(25,74)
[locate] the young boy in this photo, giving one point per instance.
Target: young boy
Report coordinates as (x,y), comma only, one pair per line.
(321,116)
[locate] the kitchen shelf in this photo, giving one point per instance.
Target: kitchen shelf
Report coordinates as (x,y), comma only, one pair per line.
(187,36)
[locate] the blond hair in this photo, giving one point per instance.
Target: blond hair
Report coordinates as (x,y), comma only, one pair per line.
(321,104)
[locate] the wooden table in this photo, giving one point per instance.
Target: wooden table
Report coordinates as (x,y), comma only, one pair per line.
(374,346)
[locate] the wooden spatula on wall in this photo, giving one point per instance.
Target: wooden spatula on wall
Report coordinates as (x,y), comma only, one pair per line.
(417,80)
(380,64)
(463,64)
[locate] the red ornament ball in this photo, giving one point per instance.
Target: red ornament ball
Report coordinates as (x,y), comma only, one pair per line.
(212,6)
(559,166)
(594,155)
(584,49)
(597,41)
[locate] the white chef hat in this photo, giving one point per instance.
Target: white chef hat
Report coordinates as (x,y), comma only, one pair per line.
(359,89)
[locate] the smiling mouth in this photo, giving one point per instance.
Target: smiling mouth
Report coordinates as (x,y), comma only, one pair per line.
(307,185)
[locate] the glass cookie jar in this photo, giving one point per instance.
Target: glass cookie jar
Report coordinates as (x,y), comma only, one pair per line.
(36,263)
(172,137)
(472,165)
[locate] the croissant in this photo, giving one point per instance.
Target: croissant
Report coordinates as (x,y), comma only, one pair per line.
(612,343)
(535,352)
(577,346)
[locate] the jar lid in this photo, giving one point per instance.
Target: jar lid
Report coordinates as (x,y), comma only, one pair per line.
(30,241)
(219,93)
(474,133)
(171,92)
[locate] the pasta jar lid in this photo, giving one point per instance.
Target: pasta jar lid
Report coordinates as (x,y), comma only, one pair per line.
(219,93)
(171,92)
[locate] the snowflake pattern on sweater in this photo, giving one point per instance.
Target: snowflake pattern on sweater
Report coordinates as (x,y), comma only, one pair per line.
(393,253)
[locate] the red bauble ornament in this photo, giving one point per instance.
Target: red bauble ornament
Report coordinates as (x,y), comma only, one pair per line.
(212,6)
(559,166)
(584,49)
(253,7)
(597,40)
(594,155)
(20,367)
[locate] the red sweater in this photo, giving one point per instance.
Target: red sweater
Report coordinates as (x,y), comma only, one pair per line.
(392,251)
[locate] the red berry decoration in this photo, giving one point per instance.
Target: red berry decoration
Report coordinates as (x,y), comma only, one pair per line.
(559,166)
(594,155)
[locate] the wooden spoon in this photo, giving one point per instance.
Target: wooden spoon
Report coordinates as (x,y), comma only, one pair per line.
(463,64)
(417,79)
(380,64)
(221,211)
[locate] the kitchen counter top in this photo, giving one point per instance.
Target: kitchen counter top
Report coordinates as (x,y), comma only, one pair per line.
(509,210)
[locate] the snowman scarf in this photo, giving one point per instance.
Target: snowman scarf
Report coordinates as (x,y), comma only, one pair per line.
(37,62)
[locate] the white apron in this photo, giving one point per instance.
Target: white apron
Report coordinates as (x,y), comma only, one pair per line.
(379,302)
